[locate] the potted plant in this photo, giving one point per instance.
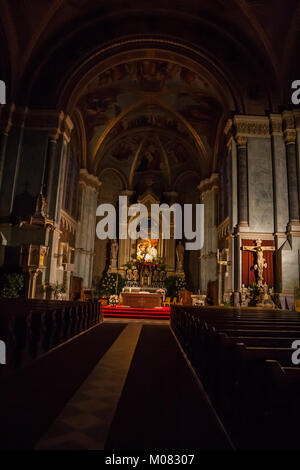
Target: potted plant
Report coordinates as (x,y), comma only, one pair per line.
(11,285)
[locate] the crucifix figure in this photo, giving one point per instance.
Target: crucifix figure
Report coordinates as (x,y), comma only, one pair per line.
(260,260)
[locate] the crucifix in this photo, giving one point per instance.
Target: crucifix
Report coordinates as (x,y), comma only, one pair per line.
(260,260)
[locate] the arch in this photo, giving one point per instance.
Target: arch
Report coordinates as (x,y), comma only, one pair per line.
(183,176)
(119,173)
(80,128)
(136,106)
(201,64)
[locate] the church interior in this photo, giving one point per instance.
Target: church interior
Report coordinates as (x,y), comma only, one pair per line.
(122,343)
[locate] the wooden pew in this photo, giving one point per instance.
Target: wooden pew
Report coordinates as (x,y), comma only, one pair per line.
(229,350)
(32,328)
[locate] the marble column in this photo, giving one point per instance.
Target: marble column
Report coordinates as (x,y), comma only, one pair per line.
(86,228)
(291,162)
(242,175)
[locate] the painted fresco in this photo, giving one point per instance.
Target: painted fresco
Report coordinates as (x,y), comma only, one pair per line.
(178,95)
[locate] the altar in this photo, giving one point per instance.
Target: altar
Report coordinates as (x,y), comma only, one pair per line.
(142,299)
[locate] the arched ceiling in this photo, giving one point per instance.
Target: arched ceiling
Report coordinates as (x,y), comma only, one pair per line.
(241,35)
(125,105)
(150,74)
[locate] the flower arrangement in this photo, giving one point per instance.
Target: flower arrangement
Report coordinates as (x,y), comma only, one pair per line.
(114,300)
(107,285)
(180,283)
(161,291)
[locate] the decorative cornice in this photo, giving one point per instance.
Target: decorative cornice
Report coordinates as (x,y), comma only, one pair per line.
(46,121)
(251,126)
(288,120)
(297,119)
(53,122)
(276,123)
(67,222)
(209,184)
(87,179)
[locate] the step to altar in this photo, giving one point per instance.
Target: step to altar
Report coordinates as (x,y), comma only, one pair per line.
(120,311)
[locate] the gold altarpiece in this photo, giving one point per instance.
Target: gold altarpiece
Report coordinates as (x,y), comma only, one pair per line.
(145,247)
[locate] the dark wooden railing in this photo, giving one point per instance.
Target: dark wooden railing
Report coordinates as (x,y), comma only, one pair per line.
(31,328)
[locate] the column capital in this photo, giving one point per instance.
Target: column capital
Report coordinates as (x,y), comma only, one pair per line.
(251,126)
(276,124)
(55,123)
(290,136)
(288,120)
(241,141)
(209,184)
(89,180)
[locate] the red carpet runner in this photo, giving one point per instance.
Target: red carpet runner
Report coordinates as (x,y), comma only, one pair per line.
(136,313)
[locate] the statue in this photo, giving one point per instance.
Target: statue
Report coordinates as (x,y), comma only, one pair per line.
(265,299)
(180,256)
(244,293)
(114,249)
(3,241)
(40,207)
(260,260)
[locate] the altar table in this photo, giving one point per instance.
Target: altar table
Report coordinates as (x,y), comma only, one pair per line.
(142,300)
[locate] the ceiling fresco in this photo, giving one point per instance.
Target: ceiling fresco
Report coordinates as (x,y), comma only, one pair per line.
(121,105)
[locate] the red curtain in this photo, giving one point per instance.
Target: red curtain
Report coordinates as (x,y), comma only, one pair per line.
(249,260)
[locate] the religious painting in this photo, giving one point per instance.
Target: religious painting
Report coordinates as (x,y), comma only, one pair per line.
(147,251)
(124,150)
(116,90)
(150,160)
(129,275)
(101,107)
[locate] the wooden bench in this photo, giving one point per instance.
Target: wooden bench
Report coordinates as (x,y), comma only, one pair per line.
(32,328)
(231,350)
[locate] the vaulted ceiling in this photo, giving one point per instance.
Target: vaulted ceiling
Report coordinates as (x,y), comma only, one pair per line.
(150,82)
